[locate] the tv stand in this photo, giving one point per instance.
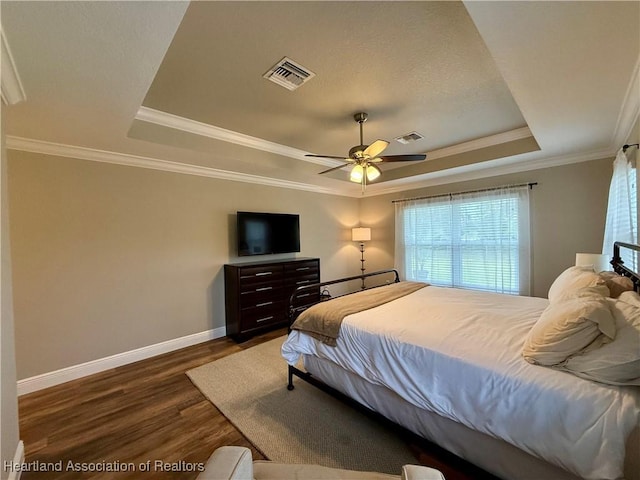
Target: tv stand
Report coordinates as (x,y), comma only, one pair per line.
(257,293)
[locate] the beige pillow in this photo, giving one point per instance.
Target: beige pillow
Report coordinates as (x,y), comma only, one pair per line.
(617,284)
(618,362)
(567,327)
(632,298)
(572,279)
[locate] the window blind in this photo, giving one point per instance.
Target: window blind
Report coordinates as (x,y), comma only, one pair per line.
(478,240)
(622,210)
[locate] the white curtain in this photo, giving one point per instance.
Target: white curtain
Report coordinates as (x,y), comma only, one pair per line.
(477,240)
(622,210)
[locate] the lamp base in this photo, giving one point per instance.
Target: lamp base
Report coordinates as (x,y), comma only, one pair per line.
(362,263)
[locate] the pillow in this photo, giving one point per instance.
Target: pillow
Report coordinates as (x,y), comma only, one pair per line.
(572,279)
(616,283)
(569,326)
(632,298)
(597,291)
(618,362)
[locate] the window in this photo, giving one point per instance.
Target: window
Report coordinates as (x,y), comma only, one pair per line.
(474,240)
(622,210)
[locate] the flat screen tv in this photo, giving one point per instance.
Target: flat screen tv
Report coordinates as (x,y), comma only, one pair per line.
(267,233)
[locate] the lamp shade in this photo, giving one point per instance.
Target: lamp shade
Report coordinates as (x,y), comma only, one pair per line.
(599,261)
(360,234)
(373,172)
(357,174)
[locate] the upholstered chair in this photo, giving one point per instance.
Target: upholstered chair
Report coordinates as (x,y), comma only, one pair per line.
(235,463)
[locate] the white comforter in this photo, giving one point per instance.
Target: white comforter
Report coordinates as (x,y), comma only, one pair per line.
(457,353)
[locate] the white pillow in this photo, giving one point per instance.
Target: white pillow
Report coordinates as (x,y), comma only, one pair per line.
(567,327)
(632,298)
(572,279)
(618,362)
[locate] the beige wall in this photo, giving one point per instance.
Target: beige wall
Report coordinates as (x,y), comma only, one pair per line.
(110,258)
(568,210)
(9,433)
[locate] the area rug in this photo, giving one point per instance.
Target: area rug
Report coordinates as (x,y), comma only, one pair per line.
(305,425)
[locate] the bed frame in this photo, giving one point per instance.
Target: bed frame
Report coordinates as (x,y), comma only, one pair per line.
(618,263)
(476,472)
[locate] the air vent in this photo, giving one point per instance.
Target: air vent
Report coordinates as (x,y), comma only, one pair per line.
(289,74)
(409,137)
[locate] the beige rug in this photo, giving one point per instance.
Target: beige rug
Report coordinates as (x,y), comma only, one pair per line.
(305,425)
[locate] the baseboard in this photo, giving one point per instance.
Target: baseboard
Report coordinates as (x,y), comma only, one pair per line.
(50,379)
(18,459)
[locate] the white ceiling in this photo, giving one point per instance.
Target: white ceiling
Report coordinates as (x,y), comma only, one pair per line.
(494,87)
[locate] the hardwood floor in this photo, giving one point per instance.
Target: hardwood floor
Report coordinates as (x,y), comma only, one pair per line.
(147,411)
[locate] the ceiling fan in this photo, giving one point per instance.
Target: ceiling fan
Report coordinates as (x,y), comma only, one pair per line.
(364,157)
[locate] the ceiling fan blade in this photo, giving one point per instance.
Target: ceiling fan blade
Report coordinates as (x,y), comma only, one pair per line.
(402,158)
(335,168)
(325,156)
(376,148)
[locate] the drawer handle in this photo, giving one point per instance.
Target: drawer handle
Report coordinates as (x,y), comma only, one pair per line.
(263,289)
(263,274)
(302,269)
(304,295)
(263,304)
(302,281)
(264,319)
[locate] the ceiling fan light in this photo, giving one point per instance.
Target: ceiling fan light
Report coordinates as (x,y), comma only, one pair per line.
(357,173)
(373,172)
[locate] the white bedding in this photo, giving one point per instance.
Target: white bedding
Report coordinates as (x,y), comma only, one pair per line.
(458,353)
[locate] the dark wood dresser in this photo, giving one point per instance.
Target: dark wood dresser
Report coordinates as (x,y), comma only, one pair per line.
(257,293)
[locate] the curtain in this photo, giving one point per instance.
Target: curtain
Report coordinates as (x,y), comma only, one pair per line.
(622,210)
(477,240)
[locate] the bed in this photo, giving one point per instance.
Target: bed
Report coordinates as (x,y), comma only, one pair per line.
(447,364)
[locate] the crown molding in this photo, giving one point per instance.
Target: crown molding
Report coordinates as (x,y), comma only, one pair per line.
(12,89)
(458,174)
(164,119)
(103,156)
(630,110)
(176,122)
(478,143)
(462,174)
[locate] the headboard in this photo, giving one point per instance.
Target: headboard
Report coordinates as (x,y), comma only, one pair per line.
(619,266)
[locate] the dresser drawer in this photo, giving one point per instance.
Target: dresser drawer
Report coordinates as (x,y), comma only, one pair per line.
(306,297)
(262,274)
(265,314)
(252,295)
(261,284)
(259,300)
(301,268)
(300,280)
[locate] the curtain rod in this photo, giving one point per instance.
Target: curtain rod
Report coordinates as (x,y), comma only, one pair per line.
(624,147)
(530,185)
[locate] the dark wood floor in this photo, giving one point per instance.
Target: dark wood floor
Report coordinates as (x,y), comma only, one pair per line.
(148,411)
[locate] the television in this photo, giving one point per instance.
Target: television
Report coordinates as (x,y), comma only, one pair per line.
(267,233)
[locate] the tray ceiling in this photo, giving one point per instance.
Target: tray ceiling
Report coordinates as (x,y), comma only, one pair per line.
(488,84)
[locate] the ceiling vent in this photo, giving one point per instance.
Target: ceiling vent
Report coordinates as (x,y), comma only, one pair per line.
(409,137)
(289,74)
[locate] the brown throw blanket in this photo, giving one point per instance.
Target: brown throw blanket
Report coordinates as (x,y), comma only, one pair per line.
(323,320)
